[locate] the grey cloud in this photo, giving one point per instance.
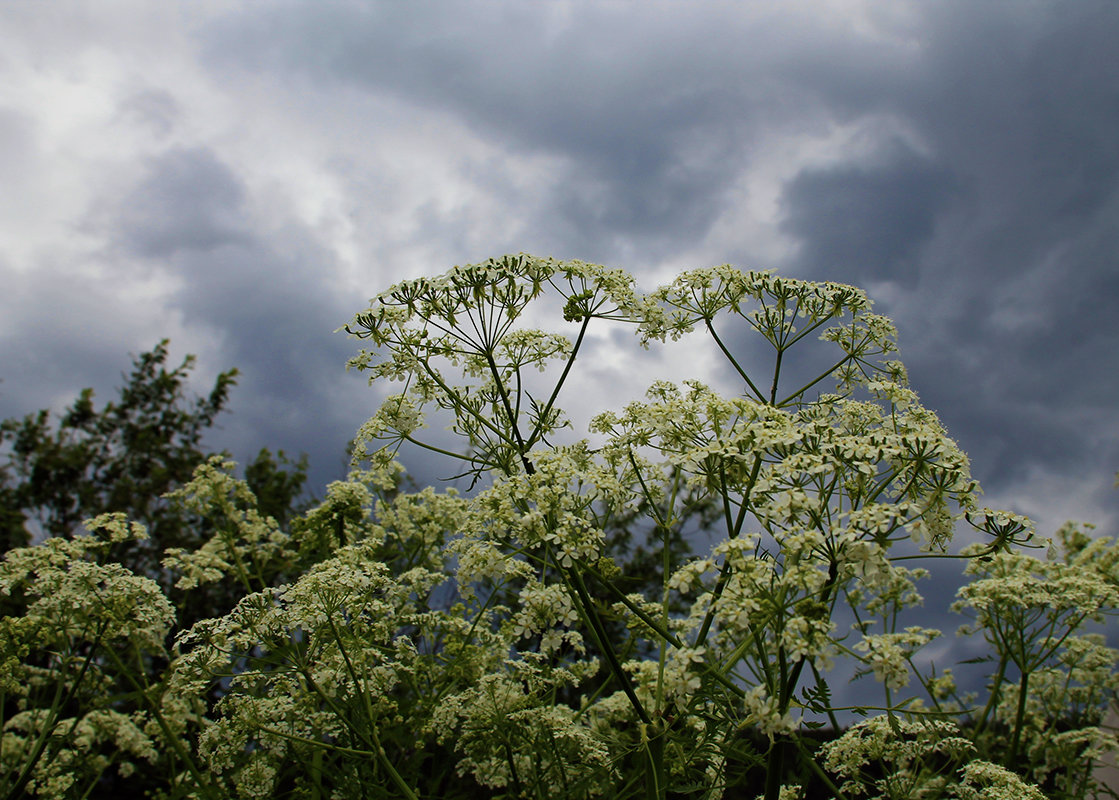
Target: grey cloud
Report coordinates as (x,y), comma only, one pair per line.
(650,128)
(869,220)
(1008,204)
(17,146)
(265,292)
(153,109)
(1000,245)
(1009,201)
(188,201)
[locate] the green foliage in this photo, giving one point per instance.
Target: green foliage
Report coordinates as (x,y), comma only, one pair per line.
(120,458)
(514,641)
(126,457)
(277,482)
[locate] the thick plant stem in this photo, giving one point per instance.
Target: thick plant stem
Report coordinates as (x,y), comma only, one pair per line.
(43,739)
(774,768)
(993,700)
(655,786)
(653,748)
(386,764)
(173,739)
(733,530)
(1019,720)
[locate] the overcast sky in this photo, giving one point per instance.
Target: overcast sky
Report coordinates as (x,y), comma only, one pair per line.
(242,177)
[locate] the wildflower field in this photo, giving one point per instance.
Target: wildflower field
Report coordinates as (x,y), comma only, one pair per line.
(550,631)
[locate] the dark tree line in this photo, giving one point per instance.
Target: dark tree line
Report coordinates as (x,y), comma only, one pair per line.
(56,471)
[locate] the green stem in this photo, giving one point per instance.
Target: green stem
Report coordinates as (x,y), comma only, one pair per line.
(590,616)
(654,753)
(56,706)
(823,776)
(459,404)
(732,533)
(668,636)
(242,573)
(992,700)
(789,680)
(173,739)
(775,767)
(813,382)
(378,748)
(655,786)
(521,448)
(1019,720)
(776,376)
(320,746)
(430,447)
(737,368)
(559,384)
(397,779)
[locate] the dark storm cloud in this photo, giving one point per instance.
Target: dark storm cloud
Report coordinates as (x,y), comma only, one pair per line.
(262,292)
(1003,239)
(868,220)
(66,350)
(982,213)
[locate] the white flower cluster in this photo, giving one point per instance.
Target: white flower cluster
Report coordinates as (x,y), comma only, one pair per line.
(70,598)
(509,740)
(242,538)
(1048,599)
(764,712)
(552,508)
(81,620)
(327,641)
(887,757)
(543,607)
(889,654)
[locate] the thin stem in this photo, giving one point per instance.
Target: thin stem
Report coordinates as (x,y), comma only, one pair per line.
(814,381)
(382,758)
(559,384)
(992,700)
(667,635)
(396,777)
(737,368)
(776,376)
(823,776)
(458,404)
(522,450)
(733,533)
(432,448)
(590,616)
(173,739)
(319,746)
(44,735)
